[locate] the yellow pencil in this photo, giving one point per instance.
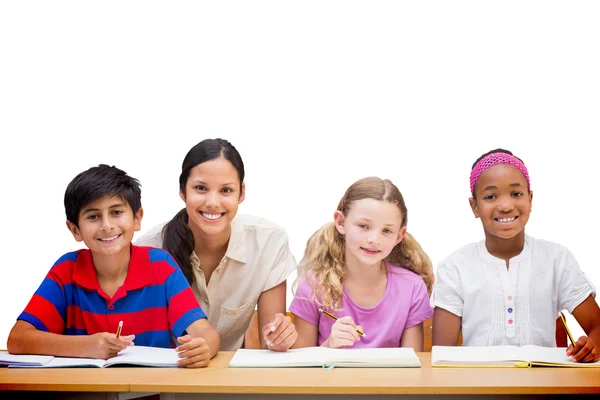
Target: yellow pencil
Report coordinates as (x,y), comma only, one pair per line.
(119,329)
(564,322)
(333,317)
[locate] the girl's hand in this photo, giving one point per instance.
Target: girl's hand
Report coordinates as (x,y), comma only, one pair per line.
(585,351)
(194,352)
(105,345)
(343,333)
(280,334)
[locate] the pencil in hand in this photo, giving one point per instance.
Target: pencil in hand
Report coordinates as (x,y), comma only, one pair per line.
(333,317)
(564,322)
(119,329)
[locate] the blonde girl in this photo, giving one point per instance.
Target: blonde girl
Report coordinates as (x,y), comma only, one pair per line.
(366,270)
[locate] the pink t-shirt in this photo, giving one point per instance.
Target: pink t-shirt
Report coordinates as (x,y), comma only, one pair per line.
(405,303)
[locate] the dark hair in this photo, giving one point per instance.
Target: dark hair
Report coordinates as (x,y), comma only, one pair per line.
(177,236)
(97,182)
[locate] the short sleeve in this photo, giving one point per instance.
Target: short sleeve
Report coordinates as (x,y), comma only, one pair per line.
(153,238)
(574,287)
(284,263)
(303,306)
(47,309)
(183,308)
(420,310)
(447,290)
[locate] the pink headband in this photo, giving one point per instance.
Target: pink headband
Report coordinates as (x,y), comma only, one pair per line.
(494,159)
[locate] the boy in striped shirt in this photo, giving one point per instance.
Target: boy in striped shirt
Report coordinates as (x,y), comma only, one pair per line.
(78,306)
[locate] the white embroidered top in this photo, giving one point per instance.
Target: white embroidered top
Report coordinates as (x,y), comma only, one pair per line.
(514,306)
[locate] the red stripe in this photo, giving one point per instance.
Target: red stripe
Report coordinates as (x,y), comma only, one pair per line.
(95,323)
(150,319)
(75,318)
(62,273)
(46,312)
(161,270)
(181,303)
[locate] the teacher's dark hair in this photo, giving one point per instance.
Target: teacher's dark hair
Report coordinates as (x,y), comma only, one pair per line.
(177,236)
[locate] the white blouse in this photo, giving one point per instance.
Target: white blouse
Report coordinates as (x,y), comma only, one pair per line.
(514,306)
(257,259)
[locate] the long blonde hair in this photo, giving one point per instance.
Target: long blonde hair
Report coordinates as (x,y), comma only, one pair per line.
(323,264)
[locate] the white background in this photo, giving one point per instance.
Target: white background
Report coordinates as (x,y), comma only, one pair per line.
(314,94)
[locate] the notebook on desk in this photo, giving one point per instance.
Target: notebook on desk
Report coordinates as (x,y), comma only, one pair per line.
(133,356)
(503,356)
(325,357)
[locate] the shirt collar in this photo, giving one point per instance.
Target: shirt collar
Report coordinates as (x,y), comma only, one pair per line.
(138,274)
(236,248)
(486,256)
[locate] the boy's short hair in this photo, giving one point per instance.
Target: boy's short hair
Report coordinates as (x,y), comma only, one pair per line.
(97,182)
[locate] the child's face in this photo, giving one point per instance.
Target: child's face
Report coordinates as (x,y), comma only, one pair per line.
(371,230)
(212,196)
(106,226)
(503,201)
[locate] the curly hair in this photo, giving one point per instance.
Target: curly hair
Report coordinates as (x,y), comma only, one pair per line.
(323,264)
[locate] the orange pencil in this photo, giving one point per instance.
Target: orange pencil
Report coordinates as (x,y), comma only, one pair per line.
(119,329)
(333,317)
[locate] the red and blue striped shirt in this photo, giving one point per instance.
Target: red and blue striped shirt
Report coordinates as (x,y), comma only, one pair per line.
(155,302)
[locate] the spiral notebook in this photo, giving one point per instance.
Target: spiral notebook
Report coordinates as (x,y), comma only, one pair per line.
(400,357)
(132,356)
(503,356)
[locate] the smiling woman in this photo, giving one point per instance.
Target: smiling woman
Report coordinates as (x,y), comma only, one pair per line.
(233,262)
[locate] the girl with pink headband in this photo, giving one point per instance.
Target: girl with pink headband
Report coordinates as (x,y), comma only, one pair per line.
(509,288)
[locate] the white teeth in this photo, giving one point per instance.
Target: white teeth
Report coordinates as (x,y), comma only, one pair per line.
(506,219)
(212,216)
(108,239)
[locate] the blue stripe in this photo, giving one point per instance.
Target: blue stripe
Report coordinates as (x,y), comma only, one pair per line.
(176,283)
(136,300)
(87,300)
(70,290)
(162,255)
(141,299)
(33,320)
(53,292)
(75,331)
(186,320)
(72,256)
(154,339)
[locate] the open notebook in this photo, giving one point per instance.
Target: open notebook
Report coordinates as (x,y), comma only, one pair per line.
(326,357)
(134,355)
(503,356)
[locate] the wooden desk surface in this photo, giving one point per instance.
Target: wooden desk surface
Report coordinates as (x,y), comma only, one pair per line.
(83,379)
(218,378)
(424,380)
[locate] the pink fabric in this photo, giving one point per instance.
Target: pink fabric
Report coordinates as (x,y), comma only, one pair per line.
(494,159)
(405,303)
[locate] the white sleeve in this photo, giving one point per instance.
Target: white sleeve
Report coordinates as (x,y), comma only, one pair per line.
(447,290)
(152,238)
(284,262)
(574,287)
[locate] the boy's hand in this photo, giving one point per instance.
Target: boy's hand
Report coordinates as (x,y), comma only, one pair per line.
(194,352)
(586,350)
(343,333)
(280,334)
(105,345)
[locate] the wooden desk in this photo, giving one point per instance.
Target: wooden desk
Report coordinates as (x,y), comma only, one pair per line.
(88,383)
(378,381)
(314,383)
